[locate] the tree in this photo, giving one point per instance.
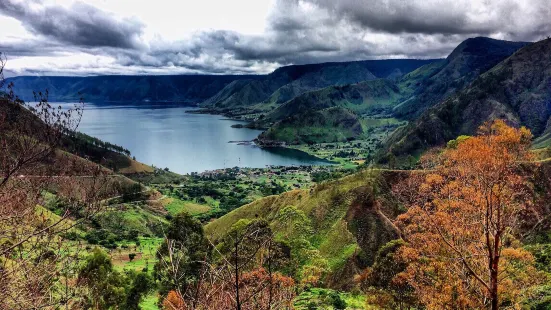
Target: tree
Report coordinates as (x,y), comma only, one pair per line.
(336,301)
(36,265)
(411,161)
(380,281)
(460,229)
(142,283)
(391,159)
(181,255)
(243,273)
(241,246)
(173,301)
(106,286)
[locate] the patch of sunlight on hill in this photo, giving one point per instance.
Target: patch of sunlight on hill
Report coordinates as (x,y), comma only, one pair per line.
(136,167)
(175,206)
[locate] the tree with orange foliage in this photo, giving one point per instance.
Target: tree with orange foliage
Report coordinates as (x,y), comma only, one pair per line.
(173,301)
(258,288)
(460,229)
(264,290)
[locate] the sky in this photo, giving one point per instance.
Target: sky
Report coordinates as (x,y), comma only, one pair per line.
(97,37)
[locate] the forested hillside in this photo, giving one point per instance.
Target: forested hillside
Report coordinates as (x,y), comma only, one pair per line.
(392,235)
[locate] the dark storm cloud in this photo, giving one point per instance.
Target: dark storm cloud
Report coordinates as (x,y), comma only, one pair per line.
(400,16)
(31,47)
(446,16)
(81,24)
(298,32)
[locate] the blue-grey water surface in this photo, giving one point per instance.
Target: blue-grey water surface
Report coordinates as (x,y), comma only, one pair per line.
(167,136)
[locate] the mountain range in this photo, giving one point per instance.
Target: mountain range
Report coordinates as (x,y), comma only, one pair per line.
(481,79)
(518,89)
(187,89)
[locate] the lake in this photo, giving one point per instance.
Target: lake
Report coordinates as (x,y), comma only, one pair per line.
(167,136)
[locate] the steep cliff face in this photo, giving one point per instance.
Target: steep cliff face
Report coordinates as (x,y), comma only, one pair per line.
(518,89)
(432,83)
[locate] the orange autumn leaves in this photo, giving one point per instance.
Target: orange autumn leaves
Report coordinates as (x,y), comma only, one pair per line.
(259,289)
(460,228)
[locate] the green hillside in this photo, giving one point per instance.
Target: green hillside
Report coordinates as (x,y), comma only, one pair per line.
(517,90)
(344,74)
(432,83)
(405,98)
(338,225)
(288,82)
(369,97)
(328,125)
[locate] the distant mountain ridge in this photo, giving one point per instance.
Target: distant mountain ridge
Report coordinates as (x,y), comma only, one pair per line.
(468,60)
(222,92)
(189,89)
(288,82)
(340,101)
(518,89)
(404,98)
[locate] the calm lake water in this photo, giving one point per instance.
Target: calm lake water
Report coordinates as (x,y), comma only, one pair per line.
(169,137)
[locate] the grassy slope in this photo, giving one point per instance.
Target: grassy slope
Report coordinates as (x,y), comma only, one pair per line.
(175,206)
(330,114)
(347,230)
(328,125)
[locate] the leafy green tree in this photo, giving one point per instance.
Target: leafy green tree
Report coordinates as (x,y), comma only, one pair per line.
(141,285)
(411,161)
(106,287)
(452,144)
(391,160)
(336,301)
(181,254)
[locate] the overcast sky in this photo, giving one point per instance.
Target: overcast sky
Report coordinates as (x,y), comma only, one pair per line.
(67,37)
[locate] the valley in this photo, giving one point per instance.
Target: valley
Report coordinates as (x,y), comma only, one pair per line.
(323,186)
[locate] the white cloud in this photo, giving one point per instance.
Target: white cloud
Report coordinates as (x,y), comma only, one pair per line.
(246,36)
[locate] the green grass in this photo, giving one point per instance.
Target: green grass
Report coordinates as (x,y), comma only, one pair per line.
(132,218)
(150,302)
(145,254)
(327,206)
(543,141)
(319,298)
(338,245)
(175,206)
